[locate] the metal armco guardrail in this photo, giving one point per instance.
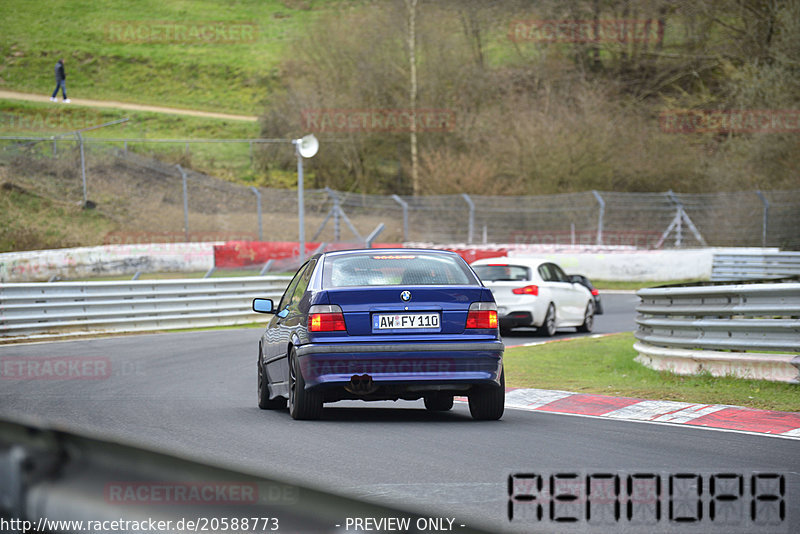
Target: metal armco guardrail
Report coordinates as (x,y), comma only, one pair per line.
(59,308)
(755,266)
(744,330)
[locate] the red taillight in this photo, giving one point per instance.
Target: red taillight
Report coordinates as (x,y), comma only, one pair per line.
(527,290)
(482,315)
(595,292)
(482,319)
(326,319)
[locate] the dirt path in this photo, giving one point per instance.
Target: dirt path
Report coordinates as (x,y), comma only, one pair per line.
(14,95)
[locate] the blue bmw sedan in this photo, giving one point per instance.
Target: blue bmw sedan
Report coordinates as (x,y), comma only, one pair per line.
(382,324)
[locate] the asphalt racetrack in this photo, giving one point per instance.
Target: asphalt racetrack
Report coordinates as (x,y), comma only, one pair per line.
(194,394)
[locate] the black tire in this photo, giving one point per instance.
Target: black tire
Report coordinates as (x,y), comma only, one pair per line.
(548,328)
(438,402)
(588,318)
(303,404)
(488,403)
(264,402)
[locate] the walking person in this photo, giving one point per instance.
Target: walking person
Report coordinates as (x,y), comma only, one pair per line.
(61,81)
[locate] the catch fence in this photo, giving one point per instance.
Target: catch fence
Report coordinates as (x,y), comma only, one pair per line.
(153,201)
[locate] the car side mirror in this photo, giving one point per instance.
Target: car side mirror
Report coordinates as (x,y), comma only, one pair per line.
(263,306)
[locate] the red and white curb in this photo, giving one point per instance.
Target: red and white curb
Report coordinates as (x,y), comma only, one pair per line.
(711,416)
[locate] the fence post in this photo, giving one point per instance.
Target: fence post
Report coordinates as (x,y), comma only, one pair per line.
(83,168)
(258,208)
(185,204)
(336,210)
(765,218)
(371,237)
(404,205)
(471,227)
(600,217)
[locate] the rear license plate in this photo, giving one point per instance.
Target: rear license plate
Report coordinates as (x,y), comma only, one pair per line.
(405,321)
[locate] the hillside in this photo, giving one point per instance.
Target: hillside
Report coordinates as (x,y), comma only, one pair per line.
(519,113)
(116,50)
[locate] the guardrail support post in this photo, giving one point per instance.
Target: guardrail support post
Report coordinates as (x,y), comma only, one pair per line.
(600,217)
(185,204)
(257,193)
(765,221)
(471,227)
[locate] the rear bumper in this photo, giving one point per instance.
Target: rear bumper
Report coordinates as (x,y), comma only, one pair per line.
(516,318)
(411,364)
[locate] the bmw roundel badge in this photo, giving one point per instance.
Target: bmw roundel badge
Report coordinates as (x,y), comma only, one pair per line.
(405,296)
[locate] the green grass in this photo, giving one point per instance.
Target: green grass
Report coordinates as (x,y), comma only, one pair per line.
(31,221)
(633,285)
(606,366)
(215,76)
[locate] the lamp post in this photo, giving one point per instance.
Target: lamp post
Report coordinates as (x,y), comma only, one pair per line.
(305,147)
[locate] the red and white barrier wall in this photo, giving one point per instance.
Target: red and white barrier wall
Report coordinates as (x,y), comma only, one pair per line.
(618,263)
(600,263)
(237,254)
(105,260)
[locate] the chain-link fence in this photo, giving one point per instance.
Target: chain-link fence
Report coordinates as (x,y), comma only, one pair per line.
(151,201)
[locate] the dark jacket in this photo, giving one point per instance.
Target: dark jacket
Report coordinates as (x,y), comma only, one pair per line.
(60,74)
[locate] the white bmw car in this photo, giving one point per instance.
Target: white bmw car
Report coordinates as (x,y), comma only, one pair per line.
(536,292)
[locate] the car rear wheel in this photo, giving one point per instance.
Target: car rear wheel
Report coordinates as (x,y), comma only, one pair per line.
(548,328)
(588,318)
(303,404)
(488,403)
(264,402)
(438,402)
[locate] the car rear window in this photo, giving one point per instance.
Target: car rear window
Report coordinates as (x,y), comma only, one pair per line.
(391,269)
(502,273)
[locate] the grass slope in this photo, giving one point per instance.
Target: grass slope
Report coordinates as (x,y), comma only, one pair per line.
(28,221)
(103,63)
(224,160)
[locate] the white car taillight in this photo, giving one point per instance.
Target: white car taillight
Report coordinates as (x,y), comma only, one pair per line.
(527,290)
